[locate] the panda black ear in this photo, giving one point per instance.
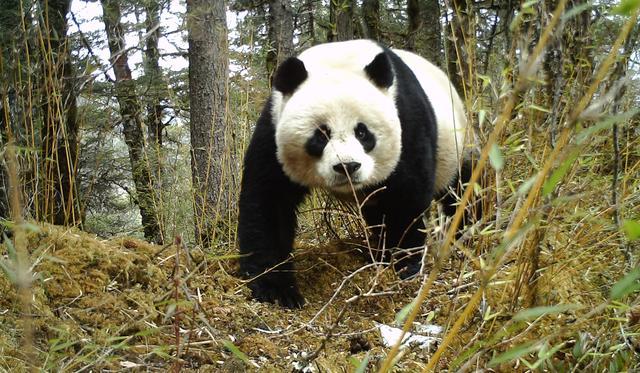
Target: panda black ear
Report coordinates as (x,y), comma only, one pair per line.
(290,74)
(380,71)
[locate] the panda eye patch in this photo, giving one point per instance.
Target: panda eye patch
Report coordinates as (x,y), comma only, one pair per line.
(366,138)
(316,143)
(325,130)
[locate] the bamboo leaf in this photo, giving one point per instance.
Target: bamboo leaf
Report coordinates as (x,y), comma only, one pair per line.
(628,284)
(513,353)
(61,346)
(523,189)
(495,157)
(631,229)
(404,312)
(586,133)
(147,332)
(486,80)
(543,355)
(507,243)
(362,367)
(576,10)
(8,265)
(225,257)
(535,312)
(559,173)
(539,108)
(236,352)
(626,7)
(482,115)
(161,351)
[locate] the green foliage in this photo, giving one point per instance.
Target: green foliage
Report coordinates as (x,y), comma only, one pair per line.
(360,366)
(236,352)
(496,158)
(626,7)
(514,353)
(544,354)
(9,264)
(586,134)
(576,10)
(631,229)
(533,313)
(504,332)
(401,316)
(627,285)
(559,173)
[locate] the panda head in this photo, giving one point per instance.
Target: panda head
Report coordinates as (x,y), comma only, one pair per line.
(337,126)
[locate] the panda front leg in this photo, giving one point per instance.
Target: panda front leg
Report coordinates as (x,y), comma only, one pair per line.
(401,223)
(267,222)
(403,233)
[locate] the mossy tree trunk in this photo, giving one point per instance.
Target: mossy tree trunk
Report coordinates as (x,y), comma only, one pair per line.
(414,17)
(430,32)
(341,19)
(280,34)
(153,74)
(309,10)
(457,52)
(130,111)
(156,92)
(208,73)
(371,18)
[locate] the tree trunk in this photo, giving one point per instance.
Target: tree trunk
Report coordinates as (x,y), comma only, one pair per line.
(130,111)
(153,74)
(208,73)
(59,203)
(341,19)
(311,22)
(156,91)
(456,58)
(414,24)
(280,34)
(431,31)
(371,17)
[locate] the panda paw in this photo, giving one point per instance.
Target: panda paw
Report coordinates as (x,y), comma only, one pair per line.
(278,289)
(408,268)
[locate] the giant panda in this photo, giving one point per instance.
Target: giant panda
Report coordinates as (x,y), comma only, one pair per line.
(350,118)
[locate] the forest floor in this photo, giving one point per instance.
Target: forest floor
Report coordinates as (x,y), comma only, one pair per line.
(117,304)
(113,304)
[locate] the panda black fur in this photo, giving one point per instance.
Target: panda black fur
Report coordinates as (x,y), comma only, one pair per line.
(342,117)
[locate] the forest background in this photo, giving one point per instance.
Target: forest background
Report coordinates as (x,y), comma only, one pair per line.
(129,118)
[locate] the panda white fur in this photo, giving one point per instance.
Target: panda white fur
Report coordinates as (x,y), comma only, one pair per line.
(350,118)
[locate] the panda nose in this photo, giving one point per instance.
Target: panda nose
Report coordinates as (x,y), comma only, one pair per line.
(347,168)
